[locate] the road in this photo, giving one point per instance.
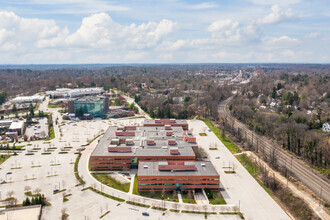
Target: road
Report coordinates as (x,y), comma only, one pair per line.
(314,181)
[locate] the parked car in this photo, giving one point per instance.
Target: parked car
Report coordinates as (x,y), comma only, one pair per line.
(217,157)
(9,173)
(55,190)
(145,213)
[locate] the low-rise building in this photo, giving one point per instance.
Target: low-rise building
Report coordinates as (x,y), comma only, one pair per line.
(28,99)
(94,105)
(17,126)
(177,175)
(122,148)
(67,92)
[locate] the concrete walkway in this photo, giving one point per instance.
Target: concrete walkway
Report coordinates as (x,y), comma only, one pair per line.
(132,184)
(179,197)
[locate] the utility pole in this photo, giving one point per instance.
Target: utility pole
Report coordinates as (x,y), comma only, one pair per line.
(321,196)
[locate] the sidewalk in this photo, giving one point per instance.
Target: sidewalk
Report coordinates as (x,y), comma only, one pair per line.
(132,184)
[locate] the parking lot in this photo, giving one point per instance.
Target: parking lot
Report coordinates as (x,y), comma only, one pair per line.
(39,129)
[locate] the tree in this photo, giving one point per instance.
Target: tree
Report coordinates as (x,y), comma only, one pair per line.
(79,112)
(37,190)
(14,108)
(10,194)
(27,202)
(31,109)
(27,188)
(3,96)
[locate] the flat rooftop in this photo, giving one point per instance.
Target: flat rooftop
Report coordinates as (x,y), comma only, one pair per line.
(90,98)
(17,125)
(143,141)
(164,121)
(202,168)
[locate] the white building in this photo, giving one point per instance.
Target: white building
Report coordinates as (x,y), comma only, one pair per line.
(326,127)
(28,99)
(17,126)
(66,92)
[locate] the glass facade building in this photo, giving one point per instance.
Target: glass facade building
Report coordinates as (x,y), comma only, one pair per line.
(90,106)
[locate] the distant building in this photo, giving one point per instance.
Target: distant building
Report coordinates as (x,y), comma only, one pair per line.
(97,106)
(67,92)
(326,127)
(17,126)
(259,71)
(28,99)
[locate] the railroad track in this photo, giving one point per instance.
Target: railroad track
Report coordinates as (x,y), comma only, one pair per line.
(314,181)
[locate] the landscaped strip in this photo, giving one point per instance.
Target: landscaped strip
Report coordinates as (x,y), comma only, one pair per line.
(3,158)
(111,182)
(138,204)
(224,139)
(233,213)
(104,214)
(158,208)
(81,181)
(105,194)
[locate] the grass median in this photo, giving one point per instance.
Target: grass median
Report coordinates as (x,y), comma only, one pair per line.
(106,179)
(224,139)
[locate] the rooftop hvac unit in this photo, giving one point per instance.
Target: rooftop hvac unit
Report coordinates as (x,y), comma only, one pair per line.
(145,167)
(203,165)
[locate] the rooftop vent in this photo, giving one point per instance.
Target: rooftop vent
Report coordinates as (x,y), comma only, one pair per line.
(145,167)
(203,165)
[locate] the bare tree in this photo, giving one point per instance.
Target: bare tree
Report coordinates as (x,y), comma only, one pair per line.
(37,190)
(10,194)
(27,188)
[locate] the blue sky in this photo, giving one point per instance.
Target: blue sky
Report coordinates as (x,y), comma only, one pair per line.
(168,31)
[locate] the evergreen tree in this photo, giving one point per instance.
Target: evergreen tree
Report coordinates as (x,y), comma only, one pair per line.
(31,109)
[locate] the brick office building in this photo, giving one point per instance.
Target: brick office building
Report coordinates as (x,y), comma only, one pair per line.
(122,148)
(177,175)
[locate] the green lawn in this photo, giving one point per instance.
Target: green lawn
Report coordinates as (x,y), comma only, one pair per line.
(3,158)
(54,106)
(13,148)
(155,195)
(215,198)
(109,181)
(186,199)
(225,140)
(51,133)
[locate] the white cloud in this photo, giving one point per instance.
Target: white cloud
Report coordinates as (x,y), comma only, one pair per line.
(283,42)
(277,15)
(288,53)
(25,33)
(312,35)
(204,5)
(98,34)
(100,30)
(271,2)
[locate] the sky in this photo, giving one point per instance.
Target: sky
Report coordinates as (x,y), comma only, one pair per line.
(164,31)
